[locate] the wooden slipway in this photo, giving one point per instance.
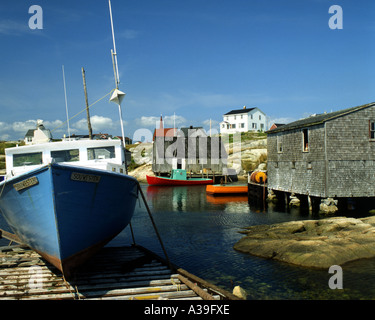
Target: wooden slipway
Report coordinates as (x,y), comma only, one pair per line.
(126,273)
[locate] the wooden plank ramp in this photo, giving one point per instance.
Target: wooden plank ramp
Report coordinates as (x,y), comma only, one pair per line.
(126,273)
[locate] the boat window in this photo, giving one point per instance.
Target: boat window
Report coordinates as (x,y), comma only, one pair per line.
(101,153)
(65,155)
(27,159)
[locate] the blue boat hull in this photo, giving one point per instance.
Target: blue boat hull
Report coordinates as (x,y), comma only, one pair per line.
(67,213)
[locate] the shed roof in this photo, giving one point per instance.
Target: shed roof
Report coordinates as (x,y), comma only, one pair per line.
(319,118)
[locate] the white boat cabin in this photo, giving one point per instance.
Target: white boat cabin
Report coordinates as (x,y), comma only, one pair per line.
(97,154)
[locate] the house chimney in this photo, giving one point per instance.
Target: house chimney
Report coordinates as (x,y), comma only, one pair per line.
(244,107)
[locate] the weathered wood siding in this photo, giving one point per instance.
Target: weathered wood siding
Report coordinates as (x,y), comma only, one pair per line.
(294,170)
(198,153)
(340,161)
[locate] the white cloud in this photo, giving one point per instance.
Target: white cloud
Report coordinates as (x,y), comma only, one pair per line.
(5,137)
(4,127)
(154,122)
(171,120)
(148,121)
(13,28)
(18,129)
(98,124)
(23,126)
(210,122)
(128,34)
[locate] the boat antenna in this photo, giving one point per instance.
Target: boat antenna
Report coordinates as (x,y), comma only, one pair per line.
(114,52)
(66,102)
(117,95)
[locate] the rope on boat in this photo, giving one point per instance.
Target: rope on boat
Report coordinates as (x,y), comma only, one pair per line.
(3,187)
(154,225)
(83,110)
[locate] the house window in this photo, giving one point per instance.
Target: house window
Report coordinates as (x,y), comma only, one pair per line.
(305,140)
(242,125)
(234,117)
(260,117)
(372,130)
(234,126)
(241,116)
(254,125)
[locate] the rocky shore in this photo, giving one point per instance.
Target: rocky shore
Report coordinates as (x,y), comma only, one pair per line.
(312,243)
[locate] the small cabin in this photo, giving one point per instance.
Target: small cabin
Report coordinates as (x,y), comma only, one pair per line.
(325,155)
(191,149)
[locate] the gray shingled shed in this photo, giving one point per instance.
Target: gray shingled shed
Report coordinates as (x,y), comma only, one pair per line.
(325,155)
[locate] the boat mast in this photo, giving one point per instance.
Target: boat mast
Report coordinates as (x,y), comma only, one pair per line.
(66,102)
(87,104)
(117,95)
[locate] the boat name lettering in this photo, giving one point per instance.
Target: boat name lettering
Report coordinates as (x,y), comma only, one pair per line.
(85,177)
(26,183)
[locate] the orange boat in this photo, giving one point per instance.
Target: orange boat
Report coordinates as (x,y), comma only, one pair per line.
(226,189)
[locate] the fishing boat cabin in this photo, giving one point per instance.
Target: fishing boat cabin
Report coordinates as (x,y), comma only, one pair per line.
(325,155)
(100,154)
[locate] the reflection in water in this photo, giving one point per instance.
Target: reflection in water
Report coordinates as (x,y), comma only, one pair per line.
(199,231)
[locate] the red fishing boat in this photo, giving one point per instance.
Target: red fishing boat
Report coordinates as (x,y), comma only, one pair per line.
(178,178)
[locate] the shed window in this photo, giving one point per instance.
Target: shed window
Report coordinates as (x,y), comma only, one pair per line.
(305,140)
(279,144)
(372,130)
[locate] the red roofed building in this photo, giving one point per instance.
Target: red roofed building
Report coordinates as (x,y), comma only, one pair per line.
(164,132)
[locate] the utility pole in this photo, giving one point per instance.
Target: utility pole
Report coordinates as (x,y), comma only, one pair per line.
(87,104)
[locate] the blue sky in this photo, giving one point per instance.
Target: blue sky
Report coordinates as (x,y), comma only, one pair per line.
(195,59)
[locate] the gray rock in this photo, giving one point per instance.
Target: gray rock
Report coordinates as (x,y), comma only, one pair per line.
(312,243)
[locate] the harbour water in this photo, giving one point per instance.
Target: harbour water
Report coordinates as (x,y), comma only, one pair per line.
(199,231)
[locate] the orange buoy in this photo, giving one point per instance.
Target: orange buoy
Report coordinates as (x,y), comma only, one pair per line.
(258,177)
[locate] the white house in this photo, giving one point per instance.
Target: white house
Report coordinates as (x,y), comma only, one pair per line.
(243,120)
(38,135)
